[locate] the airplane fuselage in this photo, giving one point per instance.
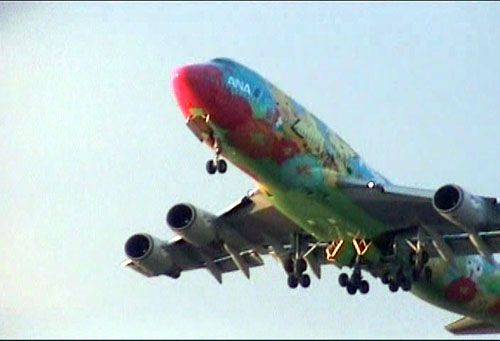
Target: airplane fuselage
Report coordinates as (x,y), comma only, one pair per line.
(298,162)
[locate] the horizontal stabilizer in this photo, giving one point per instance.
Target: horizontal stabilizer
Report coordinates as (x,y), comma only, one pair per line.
(470,326)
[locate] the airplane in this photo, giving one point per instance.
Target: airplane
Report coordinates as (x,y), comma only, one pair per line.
(317,203)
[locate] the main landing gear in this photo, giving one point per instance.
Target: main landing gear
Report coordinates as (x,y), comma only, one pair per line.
(355,282)
(217,164)
(295,269)
(418,261)
(295,266)
(419,271)
(399,281)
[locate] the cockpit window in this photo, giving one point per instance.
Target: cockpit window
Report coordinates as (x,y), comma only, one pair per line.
(223,60)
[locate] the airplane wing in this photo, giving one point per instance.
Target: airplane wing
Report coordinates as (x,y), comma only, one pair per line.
(249,228)
(252,227)
(404,209)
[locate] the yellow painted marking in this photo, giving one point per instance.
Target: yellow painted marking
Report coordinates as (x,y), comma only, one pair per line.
(333,249)
(412,246)
(361,246)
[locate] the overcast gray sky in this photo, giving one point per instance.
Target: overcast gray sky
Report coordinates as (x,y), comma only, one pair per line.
(94,149)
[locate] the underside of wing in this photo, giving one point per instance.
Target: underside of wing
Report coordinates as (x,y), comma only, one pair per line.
(453,220)
(233,240)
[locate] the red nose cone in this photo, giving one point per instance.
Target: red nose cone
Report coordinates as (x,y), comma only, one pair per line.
(199,88)
(194,85)
(182,92)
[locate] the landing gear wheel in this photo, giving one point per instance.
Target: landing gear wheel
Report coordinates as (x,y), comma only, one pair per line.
(305,280)
(412,258)
(393,286)
(211,167)
(176,274)
(293,281)
(427,273)
(351,288)
(343,280)
(406,284)
(356,279)
(301,265)
(385,278)
(415,274)
(221,166)
(288,265)
(364,287)
(425,257)
(400,276)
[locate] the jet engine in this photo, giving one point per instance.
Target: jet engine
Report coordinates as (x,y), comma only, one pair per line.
(462,208)
(194,225)
(147,256)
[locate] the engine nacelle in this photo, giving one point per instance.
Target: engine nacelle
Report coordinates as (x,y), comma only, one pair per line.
(462,208)
(147,256)
(194,225)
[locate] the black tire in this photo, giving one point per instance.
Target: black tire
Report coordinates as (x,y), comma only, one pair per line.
(385,278)
(301,265)
(175,274)
(221,166)
(415,275)
(305,280)
(364,287)
(412,258)
(425,257)
(351,288)
(393,286)
(288,265)
(406,284)
(343,280)
(427,273)
(210,166)
(400,276)
(293,281)
(355,279)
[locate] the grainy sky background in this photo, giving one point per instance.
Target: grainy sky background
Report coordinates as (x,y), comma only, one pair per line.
(93,149)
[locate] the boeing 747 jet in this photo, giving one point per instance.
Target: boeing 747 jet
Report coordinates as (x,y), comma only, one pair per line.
(317,203)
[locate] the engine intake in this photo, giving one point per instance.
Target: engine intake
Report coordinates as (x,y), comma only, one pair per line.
(464,209)
(180,216)
(148,257)
(447,198)
(138,246)
(193,224)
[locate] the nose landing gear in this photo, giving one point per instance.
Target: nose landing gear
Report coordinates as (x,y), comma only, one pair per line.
(213,166)
(217,164)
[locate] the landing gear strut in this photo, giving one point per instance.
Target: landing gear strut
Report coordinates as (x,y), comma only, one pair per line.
(295,266)
(295,269)
(418,261)
(217,164)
